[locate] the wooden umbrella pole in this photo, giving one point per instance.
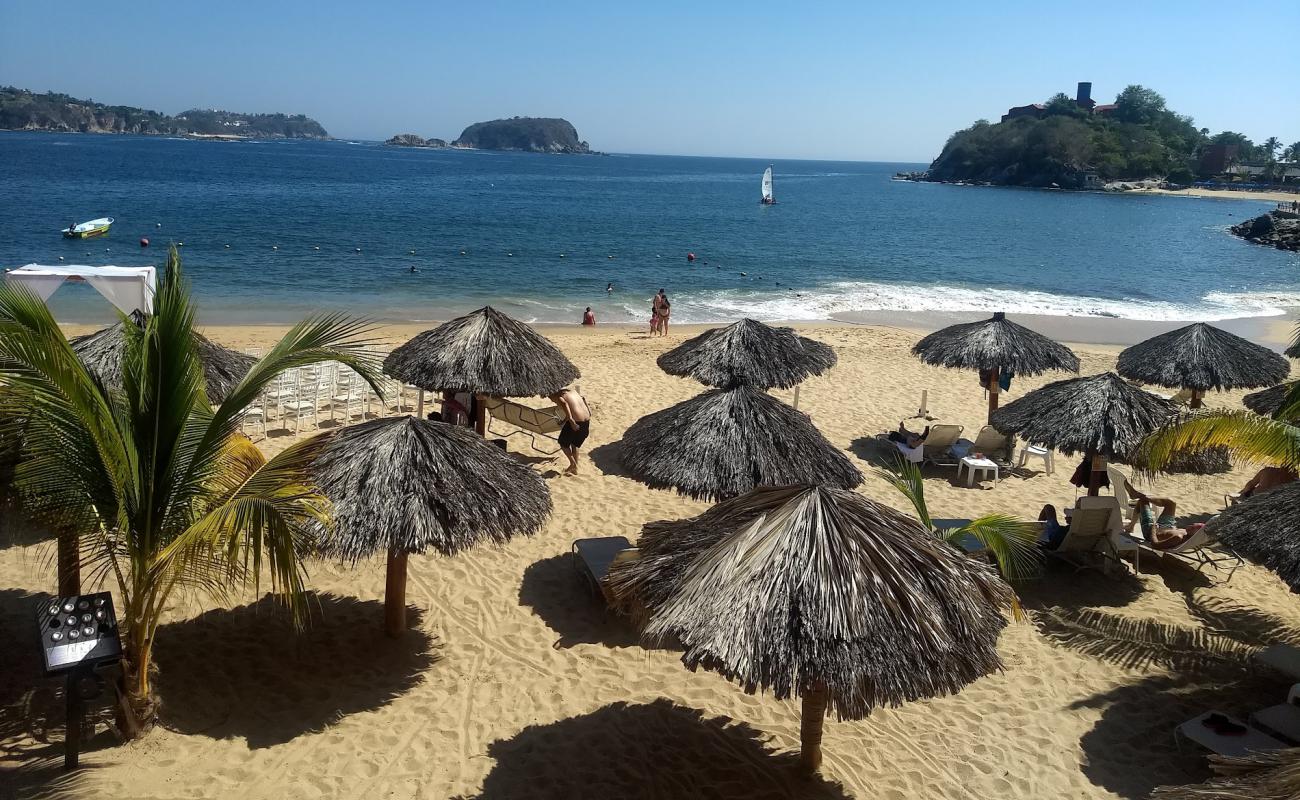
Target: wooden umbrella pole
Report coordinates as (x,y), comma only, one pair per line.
(419,409)
(480,414)
(395,594)
(1198,397)
(1097,468)
(815,700)
(994,377)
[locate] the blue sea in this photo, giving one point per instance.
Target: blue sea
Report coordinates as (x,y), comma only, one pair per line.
(270,231)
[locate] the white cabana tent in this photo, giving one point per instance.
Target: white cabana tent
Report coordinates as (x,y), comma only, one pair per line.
(128,288)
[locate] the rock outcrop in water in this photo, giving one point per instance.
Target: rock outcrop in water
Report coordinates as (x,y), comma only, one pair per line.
(525,134)
(21,110)
(1280,229)
(412,140)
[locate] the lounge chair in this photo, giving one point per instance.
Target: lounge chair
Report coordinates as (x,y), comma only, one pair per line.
(1199,551)
(531,422)
(1283,719)
(1285,658)
(1245,741)
(1118,486)
(594,557)
(995,445)
(1120,541)
(1087,536)
(941,447)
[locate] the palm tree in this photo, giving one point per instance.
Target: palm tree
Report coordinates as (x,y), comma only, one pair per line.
(1013,542)
(1271,145)
(1248,437)
(1291,152)
(164,492)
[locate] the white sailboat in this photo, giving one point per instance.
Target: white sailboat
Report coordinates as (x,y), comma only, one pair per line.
(767,199)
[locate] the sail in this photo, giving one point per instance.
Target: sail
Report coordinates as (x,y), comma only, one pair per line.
(767,185)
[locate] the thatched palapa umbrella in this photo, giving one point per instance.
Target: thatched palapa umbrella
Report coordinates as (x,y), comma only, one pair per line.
(1270,775)
(405,485)
(101,352)
(994,346)
(1103,415)
(1265,528)
(485,352)
(725,442)
(1269,402)
(1202,357)
(749,353)
(820,593)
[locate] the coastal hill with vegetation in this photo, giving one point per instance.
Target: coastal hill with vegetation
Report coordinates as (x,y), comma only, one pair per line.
(1076,143)
(524,134)
(22,110)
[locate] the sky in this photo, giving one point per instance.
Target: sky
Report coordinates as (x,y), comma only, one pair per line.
(825,80)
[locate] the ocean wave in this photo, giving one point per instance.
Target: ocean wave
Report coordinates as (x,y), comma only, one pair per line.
(846,296)
(825,302)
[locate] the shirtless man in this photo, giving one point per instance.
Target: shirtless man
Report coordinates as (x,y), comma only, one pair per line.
(576,427)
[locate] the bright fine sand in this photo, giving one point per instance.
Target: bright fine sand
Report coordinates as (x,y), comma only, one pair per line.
(515,683)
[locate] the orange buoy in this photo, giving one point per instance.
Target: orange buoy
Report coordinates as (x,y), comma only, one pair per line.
(144,241)
(690,256)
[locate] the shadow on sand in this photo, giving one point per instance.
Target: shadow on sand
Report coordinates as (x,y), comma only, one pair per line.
(608,458)
(244,672)
(555,591)
(656,750)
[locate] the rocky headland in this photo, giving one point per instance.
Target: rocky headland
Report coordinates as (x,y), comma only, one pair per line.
(1280,229)
(412,140)
(21,110)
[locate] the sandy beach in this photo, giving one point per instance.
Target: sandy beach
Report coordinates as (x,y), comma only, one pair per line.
(516,683)
(1226,194)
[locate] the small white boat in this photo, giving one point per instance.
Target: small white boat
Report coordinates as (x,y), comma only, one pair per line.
(767,198)
(87,230)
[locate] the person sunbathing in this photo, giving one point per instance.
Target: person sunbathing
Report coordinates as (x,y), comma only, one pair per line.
(1160,530)
(904,436)
(1267,478)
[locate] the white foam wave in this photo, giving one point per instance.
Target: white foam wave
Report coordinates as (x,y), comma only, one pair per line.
(827,301)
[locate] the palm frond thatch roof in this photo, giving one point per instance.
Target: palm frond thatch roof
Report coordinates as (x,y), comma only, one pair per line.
(995,343)
(1202,357)
(1265,528)
(486,352)
(1268,402)
(725,442)
(102,351)
(748,353)
(1273,775)
(1102,414)
(788,586)
(407,485)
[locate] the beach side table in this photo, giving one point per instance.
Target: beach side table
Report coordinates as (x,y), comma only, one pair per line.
(1250,740)
(1049,458)
(971,463)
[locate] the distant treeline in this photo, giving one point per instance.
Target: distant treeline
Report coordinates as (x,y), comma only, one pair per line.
(52,111)
(1140,138)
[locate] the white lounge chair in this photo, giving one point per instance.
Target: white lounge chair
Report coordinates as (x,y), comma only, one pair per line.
(1087,536)
(1119,540)
(531,422)
(594,557)
(1202,550)
(1283,719)
(1248,740)
(1119,487)
(941,445)
(995,445)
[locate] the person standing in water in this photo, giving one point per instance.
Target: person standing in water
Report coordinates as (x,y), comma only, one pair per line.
(577,424)
(662,311)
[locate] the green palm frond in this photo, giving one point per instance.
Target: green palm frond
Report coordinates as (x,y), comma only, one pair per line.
(1013,542)
(905,476)
(1248,437)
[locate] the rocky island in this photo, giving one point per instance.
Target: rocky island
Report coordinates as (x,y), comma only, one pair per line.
(412,140)
(522,134)
(21,110)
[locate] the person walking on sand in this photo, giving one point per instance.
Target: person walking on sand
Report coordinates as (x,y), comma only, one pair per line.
(577,424)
